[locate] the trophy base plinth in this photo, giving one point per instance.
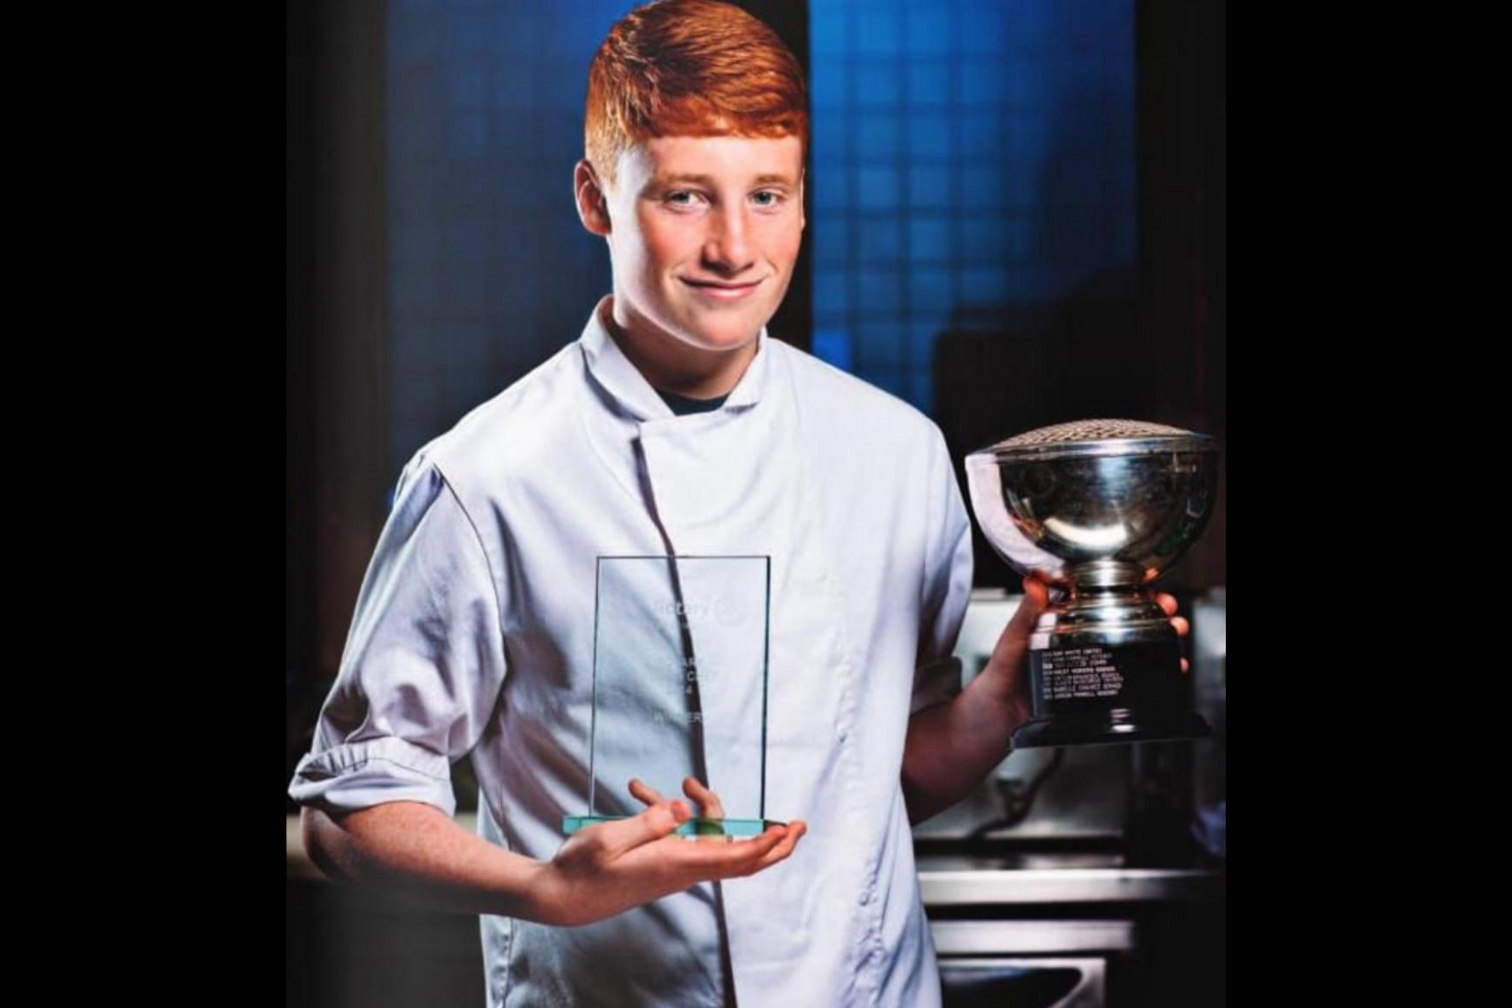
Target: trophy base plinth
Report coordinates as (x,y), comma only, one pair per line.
(698,829)
(1118,726)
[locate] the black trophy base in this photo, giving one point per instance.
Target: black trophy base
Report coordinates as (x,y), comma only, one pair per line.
(1113,727)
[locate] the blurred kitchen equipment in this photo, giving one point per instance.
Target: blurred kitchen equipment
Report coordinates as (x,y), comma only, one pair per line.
(1209,642)
(1058,806)
(1028,964)
(1143,805)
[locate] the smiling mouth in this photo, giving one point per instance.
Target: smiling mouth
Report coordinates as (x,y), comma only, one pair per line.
(721,290)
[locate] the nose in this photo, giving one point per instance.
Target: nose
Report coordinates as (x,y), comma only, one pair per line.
(727,247)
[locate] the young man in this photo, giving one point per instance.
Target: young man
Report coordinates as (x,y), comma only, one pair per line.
(673,425)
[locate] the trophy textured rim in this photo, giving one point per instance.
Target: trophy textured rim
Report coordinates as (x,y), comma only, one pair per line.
(1095,438)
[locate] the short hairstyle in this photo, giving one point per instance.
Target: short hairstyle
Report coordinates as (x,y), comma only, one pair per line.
(690,68)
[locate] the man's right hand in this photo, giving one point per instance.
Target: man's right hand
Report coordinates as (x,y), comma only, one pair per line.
(611,867)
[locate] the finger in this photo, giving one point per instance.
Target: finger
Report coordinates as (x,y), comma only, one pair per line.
(1186,666)
(675,864)
(796,829)
(1166,602)
(777,852)
(641,791)
(713,861)
(654,823)
(707,800)
(1182,626)
(1014,640)
(755,856)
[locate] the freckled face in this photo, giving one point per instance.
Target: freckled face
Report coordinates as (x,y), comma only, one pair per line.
(705,234)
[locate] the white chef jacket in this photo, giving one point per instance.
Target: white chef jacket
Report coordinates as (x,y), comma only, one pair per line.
(474,629)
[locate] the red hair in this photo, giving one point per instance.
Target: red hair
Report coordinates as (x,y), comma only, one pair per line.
(690,68)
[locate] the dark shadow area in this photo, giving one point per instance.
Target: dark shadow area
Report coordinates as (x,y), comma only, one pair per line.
(1003,369)
(345,947)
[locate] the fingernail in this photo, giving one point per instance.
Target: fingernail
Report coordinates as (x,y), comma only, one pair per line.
(680,811)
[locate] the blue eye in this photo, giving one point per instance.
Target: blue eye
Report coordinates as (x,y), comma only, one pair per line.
(767,198)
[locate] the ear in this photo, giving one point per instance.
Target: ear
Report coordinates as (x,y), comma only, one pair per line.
(802,220)
(592,205)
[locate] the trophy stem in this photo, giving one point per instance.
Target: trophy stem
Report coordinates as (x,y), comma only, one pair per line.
(1104,574)
(1105,666)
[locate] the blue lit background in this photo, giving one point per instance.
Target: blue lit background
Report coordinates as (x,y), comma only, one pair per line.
(490,271)
(966,154)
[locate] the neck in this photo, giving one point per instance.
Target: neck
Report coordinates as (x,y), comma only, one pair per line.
(672,365)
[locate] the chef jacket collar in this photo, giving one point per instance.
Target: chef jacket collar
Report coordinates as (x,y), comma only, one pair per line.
(613,370)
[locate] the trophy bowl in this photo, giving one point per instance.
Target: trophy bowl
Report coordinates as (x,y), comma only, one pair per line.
(1099,509)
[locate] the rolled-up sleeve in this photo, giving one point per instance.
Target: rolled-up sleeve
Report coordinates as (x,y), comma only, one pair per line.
(947,585)
(423,663)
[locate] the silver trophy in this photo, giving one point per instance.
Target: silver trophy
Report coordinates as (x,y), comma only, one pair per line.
(1099,509)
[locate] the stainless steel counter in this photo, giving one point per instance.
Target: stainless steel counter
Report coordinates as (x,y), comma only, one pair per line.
(989,887)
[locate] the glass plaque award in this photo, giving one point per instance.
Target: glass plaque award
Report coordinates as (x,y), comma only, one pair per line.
(680,688)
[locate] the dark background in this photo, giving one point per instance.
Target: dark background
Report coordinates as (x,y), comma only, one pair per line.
(1017,217)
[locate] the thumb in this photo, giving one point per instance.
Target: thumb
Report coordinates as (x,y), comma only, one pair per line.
(654,823)
(1013,643)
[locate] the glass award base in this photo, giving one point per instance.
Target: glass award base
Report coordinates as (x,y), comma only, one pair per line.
(690,828)
(1115,726)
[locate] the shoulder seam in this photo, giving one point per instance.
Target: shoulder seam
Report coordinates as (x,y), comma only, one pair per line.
(855,384)
(493,579)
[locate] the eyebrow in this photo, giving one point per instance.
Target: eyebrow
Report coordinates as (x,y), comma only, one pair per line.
(768,179)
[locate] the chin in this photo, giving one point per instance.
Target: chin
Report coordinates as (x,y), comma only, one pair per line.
(722,334)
